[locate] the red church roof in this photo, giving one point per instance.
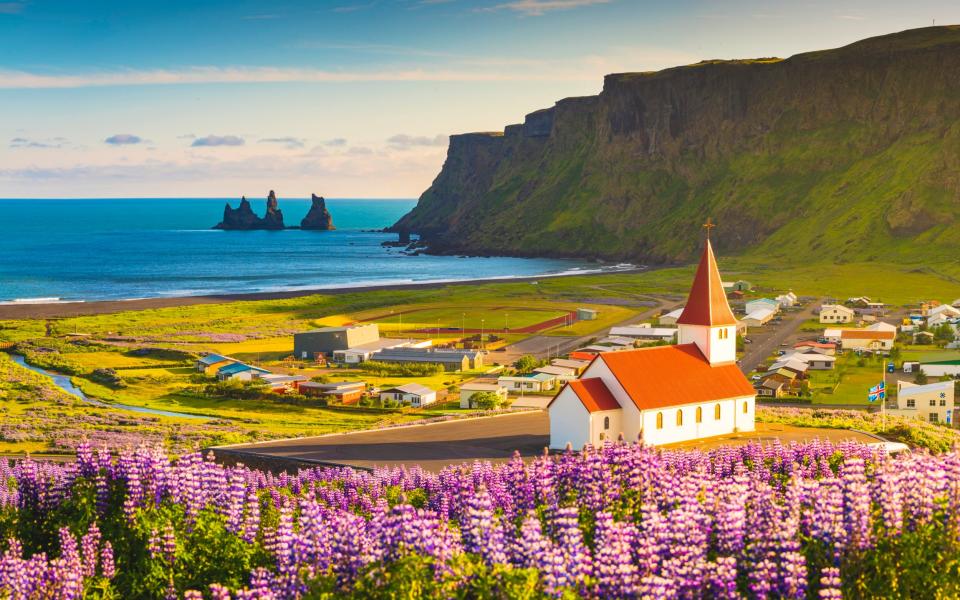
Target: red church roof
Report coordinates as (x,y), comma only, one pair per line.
(671,375)
(594,394)
(707,302)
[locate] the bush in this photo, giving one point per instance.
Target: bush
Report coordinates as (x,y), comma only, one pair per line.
(381,369)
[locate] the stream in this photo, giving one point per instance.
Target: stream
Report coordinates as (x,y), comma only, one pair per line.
(63,382)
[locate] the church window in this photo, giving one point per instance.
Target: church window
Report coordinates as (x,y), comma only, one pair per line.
(606,422)
(745,410)
(659,420)
(716,412)
(699,414)
(679,418)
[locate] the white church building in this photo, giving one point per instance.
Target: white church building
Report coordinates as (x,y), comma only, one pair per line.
(664,394)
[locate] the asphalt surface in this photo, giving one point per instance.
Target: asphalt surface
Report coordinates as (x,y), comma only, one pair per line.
(757,352)
(432,446)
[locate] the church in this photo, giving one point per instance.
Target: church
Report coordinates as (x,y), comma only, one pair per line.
(663,394)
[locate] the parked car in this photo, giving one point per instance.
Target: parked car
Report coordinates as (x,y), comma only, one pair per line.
(756,378)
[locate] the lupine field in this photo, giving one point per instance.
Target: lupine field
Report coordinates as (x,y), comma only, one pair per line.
(805,521)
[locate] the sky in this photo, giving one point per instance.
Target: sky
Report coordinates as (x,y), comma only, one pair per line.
(346,98)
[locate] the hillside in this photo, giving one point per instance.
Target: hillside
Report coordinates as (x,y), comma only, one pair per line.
(850,155)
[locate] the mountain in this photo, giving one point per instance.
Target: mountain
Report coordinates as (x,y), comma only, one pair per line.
(851,154)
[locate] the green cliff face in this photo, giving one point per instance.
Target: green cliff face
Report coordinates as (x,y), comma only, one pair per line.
(846,155)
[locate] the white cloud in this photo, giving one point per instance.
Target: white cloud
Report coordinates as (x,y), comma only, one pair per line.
(217,140)
(403,140)
(21,142)
(336,142)
(537,8)
(289,142)
(123,139)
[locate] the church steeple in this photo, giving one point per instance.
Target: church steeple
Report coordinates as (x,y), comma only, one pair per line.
(707,320)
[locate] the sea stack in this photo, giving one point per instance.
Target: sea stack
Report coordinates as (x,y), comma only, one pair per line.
(243,218)
(319,217)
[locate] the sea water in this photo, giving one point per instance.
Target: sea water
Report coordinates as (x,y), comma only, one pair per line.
(109,249)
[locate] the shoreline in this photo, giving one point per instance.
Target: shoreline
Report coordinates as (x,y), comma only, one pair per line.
(59,310)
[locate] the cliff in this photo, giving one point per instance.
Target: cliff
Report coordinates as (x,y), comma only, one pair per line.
(318,216)
(851,154)
(243,218)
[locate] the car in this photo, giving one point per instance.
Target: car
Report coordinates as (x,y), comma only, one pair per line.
(781,352)
(747,341)
(756,378)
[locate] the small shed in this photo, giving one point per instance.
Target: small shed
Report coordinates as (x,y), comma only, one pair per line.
(586,314)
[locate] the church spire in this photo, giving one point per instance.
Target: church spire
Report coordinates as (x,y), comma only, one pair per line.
(707,303)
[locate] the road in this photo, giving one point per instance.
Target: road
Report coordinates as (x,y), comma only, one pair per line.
(758,352)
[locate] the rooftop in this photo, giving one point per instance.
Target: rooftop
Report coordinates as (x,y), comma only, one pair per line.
(707,302)
(593,394)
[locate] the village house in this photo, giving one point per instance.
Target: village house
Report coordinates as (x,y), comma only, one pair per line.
(773,387)
(836,313)
(577,365)
(211,363)
(761,303)
(240,372)
(663,394)
(469,390)
(787,300)
(449,360)
(562,374)
(881,326)
(310,345)
(530,384)
(813,358)
(865,339)
(820,347)
(345,392)
(933,402)
(412,394)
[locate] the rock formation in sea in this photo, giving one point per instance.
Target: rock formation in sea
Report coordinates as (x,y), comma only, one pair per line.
(318,217)
(243,218)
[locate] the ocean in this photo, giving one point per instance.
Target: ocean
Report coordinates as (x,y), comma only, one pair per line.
(111,249)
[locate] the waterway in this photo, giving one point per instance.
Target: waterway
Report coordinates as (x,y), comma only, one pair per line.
(63,382)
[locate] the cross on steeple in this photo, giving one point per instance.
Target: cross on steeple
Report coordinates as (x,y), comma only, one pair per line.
(708,226)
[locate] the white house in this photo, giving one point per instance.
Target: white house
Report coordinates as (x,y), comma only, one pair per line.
(881,326)
(561,373)
(577,365)
(671,317)
(663,394)
(534,383)
(933,402)
(759,303)
(865,339)
(759,317)
(941,368)
(414,394)
(836,313)
(787,300)
(956,303)
(946,310)
(469,390)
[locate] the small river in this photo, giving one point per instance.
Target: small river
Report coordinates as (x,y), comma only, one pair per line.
(63,382)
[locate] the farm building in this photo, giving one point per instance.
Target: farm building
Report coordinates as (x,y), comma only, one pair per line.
(836,313)
(586,314)
(468,390)
(561,373)
(755,305)
(449,360)
(282,384)
(671,317)
(650,334)
(663,394)
(941,368)
(577,365)
(240,372)
(413,394)
(759,317)
(787,300)
(737,286)
(346,392)
(324,341)
(363,352)
(933,402)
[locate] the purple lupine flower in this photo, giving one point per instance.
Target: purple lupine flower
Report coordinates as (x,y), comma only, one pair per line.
(830,584)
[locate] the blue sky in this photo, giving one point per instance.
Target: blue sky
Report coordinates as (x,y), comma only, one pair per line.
(350,98)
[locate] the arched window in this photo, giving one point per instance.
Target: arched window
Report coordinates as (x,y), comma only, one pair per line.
(716,412)
(699,414)
(679,418)
(659,420)
(745,411)
(606,422)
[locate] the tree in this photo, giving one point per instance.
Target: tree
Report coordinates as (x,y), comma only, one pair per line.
(943,334)
(486,400)
(526,363)
(920,378)
(895,353)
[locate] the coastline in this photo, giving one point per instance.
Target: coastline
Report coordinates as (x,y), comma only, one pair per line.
(59,310)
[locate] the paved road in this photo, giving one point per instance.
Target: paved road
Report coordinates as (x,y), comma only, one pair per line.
(758,352)
(431,446)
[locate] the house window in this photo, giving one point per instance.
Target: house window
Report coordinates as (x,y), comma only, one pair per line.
(745,409)
(933,403)
(943,402)
(679,418)
(699,415)
(716,412)
(606,422)
(659,420)
(934,418)
(911,403)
